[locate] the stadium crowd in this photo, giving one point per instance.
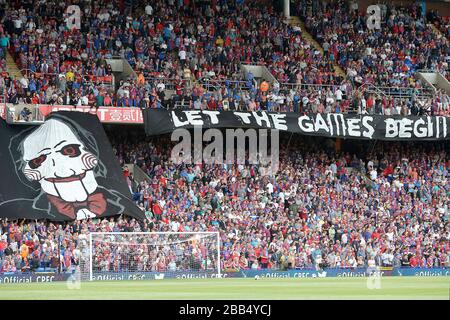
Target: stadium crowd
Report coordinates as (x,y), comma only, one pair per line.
(387,56)
(177,41)
(388,206)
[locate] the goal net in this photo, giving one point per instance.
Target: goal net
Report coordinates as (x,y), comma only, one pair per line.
(151,255)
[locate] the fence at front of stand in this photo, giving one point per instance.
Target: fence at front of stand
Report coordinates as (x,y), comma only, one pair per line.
(14,113)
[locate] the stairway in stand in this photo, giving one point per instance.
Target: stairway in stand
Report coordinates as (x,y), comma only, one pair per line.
(436,30)
(12,68)
(295,21)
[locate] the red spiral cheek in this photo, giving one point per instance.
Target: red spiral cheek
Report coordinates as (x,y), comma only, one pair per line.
(32,175)
(89,160)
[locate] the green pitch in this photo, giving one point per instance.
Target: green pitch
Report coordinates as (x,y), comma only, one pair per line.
(294,288)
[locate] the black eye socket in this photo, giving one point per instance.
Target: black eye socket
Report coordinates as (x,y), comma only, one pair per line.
(71,150)
(36,162)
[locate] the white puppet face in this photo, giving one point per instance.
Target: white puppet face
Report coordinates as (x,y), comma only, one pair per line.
(56,158)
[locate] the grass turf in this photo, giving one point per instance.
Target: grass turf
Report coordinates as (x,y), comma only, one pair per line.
(212,289)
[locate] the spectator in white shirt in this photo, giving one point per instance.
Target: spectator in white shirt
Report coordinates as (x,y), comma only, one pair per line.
(149,9)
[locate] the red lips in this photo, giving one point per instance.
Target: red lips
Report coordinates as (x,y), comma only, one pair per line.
(67,179)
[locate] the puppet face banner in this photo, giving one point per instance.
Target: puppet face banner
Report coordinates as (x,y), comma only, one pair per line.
(55,158)
(62,171)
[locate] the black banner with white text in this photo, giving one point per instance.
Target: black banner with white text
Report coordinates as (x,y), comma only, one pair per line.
(378,127)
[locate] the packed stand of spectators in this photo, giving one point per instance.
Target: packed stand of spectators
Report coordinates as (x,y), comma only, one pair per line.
(4,45)
(363,67)
(293,98)
(59,64)
(311,99)
(213,49)
(386,57)
(161,39)
(213,46)
(28,246)
(212,40)
(176,39)
(443,24)
(388,207)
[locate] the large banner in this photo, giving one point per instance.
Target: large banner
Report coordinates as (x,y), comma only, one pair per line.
(104,114)
(64,169)
(159,121)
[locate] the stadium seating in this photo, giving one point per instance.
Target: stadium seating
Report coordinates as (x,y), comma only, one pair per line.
(68,66)
(388,207)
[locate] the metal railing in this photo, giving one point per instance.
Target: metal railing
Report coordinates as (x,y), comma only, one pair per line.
(14,114)
(402,92)
(169,83)
(3,99)
(217,84)
(307,86)
(427,71)
(181,104)
(86,78)
(380,91)
(29,72)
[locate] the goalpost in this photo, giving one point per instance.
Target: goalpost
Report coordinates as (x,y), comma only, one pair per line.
(151,255)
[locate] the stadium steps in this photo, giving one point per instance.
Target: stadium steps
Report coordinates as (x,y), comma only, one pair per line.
(436,30)
(138,174)
(432,78)
(12,68)
(295,21)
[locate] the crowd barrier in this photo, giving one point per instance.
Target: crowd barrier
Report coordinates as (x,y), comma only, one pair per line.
(297,273)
